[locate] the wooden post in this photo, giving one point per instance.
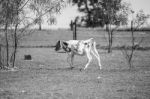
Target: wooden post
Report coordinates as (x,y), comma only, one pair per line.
(71,25)
(74,31)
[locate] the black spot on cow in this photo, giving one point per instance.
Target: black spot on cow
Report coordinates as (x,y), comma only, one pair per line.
(87,44)
(65,47)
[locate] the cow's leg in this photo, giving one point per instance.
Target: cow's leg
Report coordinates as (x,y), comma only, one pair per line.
(70,59)
(95,53)
(98,58)
(89,59)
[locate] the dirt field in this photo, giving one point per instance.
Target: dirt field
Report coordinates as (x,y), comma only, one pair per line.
(47,75)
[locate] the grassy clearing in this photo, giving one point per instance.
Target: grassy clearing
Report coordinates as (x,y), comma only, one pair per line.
(47,75)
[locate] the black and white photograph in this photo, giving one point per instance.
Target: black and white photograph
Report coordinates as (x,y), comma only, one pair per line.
(74,49)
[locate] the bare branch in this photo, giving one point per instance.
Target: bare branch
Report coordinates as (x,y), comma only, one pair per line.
(24,5)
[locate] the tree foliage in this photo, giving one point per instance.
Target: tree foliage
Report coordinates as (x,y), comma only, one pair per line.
(9,10)
(103,12)
(50,7)
(90,8)
(140,19)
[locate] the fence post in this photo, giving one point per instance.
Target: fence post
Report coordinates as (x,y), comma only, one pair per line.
(74,30)
(71,25)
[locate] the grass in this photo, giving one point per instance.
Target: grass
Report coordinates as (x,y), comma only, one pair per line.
(47,75)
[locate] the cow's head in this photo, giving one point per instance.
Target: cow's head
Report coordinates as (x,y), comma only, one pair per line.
(58,46)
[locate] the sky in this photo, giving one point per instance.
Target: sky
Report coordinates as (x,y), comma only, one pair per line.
(70,12)
(140,4)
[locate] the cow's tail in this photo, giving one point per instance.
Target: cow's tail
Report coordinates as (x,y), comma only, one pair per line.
(93,43)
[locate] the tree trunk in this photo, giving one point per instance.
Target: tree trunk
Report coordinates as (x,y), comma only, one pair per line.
(40,26)
(74,31)
(133,45)
(108,29)
(111,40)
(15,47)
(109,43)
(88,12)
(15,39)
(7,45)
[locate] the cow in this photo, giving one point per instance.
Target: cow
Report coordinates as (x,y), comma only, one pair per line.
(79,47)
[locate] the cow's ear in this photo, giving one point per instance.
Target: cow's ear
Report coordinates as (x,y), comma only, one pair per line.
(65,44)
(58,45)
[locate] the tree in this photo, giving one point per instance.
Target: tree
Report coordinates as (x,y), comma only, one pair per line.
(115,13)
(6,19)
(18,10)
(10,19)
(88,7)
(39,7)
(136,23)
